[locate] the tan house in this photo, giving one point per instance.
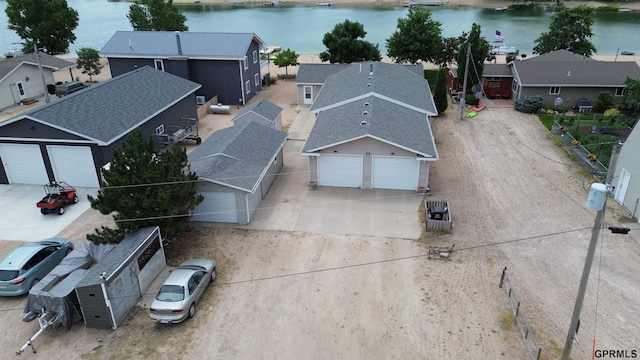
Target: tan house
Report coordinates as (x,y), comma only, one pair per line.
(372,129)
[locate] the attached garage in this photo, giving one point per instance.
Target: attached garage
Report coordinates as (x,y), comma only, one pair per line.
(340,170)
(73,164)
(217,207)
(395,173)
(23,164)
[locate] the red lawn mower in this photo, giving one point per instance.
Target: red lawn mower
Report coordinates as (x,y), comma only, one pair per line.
(58,195)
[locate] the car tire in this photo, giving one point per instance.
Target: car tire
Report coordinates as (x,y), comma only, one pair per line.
(192,310)
(213,275)
(33,283)
(44,211)
(60,210)
(75,199)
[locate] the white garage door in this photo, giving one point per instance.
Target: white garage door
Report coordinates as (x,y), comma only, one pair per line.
(217,207)
(340,170)
(396,173)
(73,165)
(23,164)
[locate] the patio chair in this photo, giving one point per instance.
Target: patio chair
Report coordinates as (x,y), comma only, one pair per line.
(506,93)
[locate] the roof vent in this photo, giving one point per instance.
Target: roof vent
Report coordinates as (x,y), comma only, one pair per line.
(370,68)
(369,85)
(370,77)
(364,113)
(366,104)
(363,122)
(569,73)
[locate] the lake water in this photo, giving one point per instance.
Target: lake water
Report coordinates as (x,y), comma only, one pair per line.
(301,28)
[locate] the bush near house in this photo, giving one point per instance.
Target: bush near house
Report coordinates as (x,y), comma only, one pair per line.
(530,104)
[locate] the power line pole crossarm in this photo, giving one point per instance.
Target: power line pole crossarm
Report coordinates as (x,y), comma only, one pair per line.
(597,226)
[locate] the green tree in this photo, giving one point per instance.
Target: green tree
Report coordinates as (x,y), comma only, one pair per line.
(285,59)
(450,48)
(89,62)
(158,15)
(479,52)
(144,189)
(603,102)
(632,100)
(344,44)
(418,37)
(441,96)
(47,23)
(570,29)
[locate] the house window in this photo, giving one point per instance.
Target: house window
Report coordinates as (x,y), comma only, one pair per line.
(514,86)
(246,62)
(621,91)
(257,79)
(248,86)
(494,84)
(160,129)
(554,90)
(159,64)
(255,56)
(307,92)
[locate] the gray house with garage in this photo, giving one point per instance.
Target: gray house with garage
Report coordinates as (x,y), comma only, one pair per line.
(72,138)
(627,174)
(372,129)
(311,77)
(263,112)
(227,65)
(236,167)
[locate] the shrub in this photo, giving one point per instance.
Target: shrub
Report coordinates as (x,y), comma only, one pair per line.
(603,102)
(471,100)
(530,104)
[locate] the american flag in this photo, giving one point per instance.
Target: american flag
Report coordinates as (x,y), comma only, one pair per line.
(499,36)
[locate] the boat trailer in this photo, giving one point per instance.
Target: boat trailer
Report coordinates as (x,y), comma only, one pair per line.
(45,319)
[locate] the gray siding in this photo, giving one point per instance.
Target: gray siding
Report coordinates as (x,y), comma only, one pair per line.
(271,174)
(203,187)
(124,292)
(570,94)
(94,308)
(314,93)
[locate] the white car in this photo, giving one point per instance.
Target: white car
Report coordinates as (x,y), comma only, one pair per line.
(182,290)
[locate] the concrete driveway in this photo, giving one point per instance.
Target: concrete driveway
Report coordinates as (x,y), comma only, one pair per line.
(21,219)
(291,206)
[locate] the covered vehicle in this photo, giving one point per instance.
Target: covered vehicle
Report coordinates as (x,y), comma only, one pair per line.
(176,300)
(25,266)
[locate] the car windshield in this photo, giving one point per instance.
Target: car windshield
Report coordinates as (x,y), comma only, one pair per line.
(170,293)
(6,275)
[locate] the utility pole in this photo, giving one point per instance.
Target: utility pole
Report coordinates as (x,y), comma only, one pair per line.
(44,83)
(590,253)
(464,83)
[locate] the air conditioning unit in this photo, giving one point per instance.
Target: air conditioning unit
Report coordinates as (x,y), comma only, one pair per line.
(201,100)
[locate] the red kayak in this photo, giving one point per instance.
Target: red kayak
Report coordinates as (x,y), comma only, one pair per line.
(479,107)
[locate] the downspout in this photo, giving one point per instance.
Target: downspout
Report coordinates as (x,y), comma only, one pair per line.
(13,95)
(246,206)
(242,89)
(178,43)
(103,284)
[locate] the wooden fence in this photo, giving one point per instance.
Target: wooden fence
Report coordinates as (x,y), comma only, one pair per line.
(438,215)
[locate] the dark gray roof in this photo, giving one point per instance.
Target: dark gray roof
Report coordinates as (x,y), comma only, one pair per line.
(118,257)
(317,73)
(164,44)
(53,63)
(264,108)
(393,82)
(559,55)
(107,111)
(386,121)
(238,156)
(496,70)
(575,73)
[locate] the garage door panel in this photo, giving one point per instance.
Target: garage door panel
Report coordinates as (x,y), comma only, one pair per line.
(23,164)
(340,170)
(217,207)
(73,165)
(395,173)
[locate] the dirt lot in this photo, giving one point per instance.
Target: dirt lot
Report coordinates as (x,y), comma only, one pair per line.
(517,200)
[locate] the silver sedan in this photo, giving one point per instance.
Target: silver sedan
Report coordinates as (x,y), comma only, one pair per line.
(184,287)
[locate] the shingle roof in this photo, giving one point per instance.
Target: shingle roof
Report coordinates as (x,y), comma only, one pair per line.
(560,55)
(163,44)
(497,70)
(575,73)
(51,62)
(385,121)
(317,73)
(395,83)
(107,111)
(237,156)
(264,108)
